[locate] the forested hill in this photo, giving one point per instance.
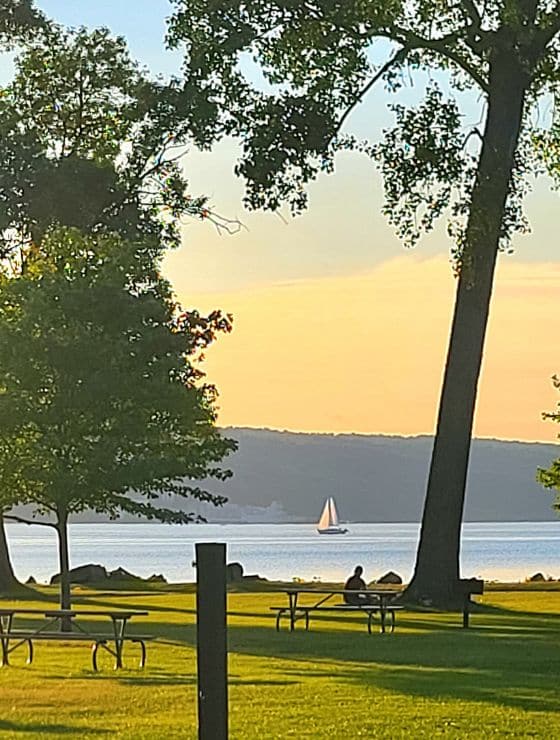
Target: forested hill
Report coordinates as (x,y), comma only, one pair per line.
(283,476)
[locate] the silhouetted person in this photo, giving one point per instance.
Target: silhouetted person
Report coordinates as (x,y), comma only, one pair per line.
(356,583)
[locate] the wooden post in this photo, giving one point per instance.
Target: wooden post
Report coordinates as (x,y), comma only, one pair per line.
(211,641)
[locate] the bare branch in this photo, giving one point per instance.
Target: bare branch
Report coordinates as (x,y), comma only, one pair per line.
(229,225)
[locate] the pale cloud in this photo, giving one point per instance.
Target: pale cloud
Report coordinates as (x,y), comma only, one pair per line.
(365,353)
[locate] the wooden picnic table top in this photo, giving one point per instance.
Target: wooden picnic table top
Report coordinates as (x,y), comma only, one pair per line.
(5,612)
(112,613)
(372,591)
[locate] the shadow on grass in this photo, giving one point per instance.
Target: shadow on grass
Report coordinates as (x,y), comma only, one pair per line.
(173,680)
(36,727)
(510,659)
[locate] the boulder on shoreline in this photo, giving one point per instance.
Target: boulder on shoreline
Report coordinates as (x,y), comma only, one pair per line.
(120,574)
(92,573)
(234,572)
(89,573)
(157,578)
(390,577)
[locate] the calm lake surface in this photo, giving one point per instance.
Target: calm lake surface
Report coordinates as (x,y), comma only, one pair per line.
(507,551)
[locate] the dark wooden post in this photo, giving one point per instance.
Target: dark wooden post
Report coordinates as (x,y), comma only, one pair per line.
(211,641)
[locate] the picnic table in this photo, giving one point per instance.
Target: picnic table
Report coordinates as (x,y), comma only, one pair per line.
(12,637)
(375,602)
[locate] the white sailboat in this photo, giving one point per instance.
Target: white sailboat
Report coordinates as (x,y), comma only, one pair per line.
(328,523)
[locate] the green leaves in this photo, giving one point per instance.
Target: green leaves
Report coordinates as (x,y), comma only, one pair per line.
(87,140)
(550,477)
(75,91)
(426,167)
(18,19)
(101,401)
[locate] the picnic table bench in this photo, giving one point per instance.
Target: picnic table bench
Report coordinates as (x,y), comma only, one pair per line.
(12,638)
(376,603)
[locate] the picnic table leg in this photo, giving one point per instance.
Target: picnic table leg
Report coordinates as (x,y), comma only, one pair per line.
(119,626)
(382,615)
(5,626)
(29,652)
(293,604)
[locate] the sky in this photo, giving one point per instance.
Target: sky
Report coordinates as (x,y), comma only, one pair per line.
(338,327)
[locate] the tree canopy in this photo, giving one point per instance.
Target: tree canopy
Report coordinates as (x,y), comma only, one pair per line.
(101,405)
(88,139)
(18,18)
(316,59)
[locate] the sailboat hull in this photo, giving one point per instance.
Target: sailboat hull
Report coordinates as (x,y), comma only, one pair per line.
(332,530)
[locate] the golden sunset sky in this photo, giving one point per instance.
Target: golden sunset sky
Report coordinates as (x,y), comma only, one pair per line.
(337,327)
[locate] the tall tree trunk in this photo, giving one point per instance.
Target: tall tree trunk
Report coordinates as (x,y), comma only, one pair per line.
(8,581)
(64,562)
(436,573)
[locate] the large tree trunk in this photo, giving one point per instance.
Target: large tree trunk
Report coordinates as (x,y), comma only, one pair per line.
(8,581)
(64,562)
(436,574)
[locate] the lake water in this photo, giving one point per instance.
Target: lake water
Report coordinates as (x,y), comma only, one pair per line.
(508,551)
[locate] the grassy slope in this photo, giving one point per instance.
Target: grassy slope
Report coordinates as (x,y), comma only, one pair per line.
(429,679)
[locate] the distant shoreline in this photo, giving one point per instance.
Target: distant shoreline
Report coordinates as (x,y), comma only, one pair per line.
(287,523)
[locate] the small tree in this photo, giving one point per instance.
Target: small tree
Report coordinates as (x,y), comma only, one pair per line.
(550,477)
(315,55)
(101,404)
(87,140)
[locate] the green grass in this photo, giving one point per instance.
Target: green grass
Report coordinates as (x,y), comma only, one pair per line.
(427,680)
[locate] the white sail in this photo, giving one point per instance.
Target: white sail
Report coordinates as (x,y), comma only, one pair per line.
(334,514)
(325,519)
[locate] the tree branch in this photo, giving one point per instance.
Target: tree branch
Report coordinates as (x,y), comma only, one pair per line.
(442,46)
(550,24)
(473,13)
(397,58)
(30,522)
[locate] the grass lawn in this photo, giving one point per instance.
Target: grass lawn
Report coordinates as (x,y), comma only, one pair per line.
(429,679)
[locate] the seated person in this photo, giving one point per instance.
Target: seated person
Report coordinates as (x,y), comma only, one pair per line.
(356,583)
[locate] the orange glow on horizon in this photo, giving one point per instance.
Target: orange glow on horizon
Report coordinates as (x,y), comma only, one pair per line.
(365,353)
